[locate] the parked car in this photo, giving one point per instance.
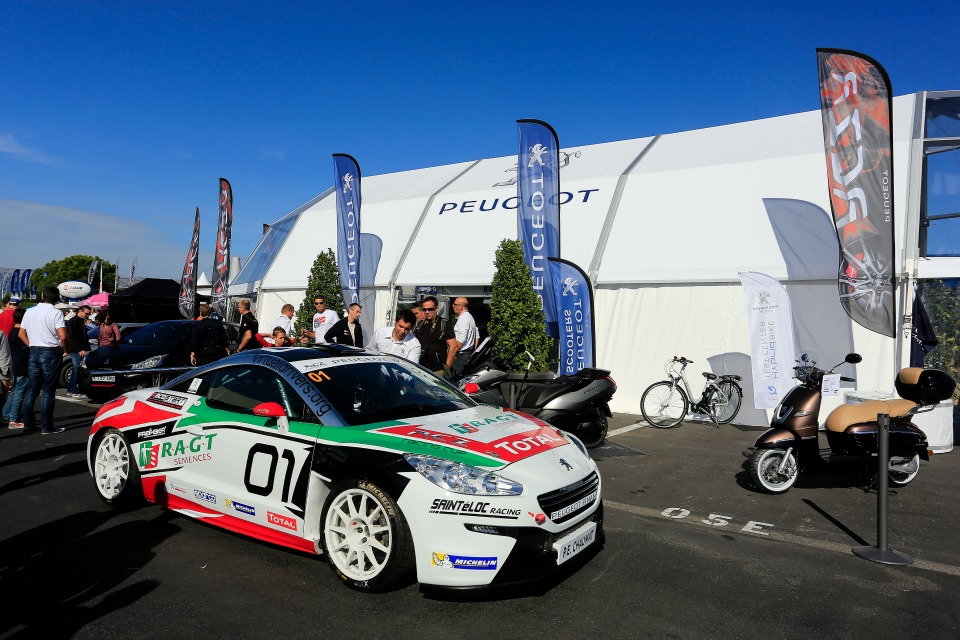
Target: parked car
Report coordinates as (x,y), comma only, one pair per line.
(66,364)
(368,459)
(152,355)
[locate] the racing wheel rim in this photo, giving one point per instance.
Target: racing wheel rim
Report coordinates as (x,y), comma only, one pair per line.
(112,465)
(359,534)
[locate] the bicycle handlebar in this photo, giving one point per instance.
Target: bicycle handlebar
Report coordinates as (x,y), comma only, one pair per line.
(681,359)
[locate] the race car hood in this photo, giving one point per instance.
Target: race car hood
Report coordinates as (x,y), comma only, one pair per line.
(481,436)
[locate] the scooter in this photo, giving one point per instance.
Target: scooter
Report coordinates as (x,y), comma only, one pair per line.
(792,443)
(577,404)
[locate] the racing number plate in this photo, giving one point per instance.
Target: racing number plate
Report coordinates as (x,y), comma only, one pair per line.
(577,541)
(103,379)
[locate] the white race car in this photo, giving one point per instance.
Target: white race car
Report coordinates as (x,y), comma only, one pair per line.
(369,459)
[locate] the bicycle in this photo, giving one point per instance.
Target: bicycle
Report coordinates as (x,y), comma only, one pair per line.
(664,404)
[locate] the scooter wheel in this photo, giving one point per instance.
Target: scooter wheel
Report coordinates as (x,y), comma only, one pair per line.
(903,470)
(593,432)
(766,473)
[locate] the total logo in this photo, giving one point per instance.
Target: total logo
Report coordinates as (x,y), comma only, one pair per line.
(473,563)
(239,506)
(282,521)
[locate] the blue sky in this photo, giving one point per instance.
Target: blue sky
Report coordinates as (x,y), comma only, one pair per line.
(118,118)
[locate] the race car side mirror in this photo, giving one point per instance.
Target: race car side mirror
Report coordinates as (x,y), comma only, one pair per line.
(269,410)
(273,410)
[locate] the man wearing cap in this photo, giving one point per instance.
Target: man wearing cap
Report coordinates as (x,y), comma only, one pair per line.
(44,331)
(6,316)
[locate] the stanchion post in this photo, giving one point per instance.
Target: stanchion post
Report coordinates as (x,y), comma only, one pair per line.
(881,553)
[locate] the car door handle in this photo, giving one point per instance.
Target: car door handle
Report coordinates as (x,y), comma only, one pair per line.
(197,431)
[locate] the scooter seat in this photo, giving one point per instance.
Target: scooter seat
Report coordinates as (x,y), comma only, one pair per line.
(850,414)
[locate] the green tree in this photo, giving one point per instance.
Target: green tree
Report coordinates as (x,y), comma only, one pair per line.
(516,317)
(324,280)
(73,268)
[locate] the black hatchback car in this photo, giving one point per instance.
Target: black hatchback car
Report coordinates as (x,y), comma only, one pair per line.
(154,354)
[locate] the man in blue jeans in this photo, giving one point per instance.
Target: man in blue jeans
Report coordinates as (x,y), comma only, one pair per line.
(77,345)
(44,331)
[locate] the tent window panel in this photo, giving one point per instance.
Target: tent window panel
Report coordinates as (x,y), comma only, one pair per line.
(943,238)
(943,117)
(943,181)
(940,208)
(258,264)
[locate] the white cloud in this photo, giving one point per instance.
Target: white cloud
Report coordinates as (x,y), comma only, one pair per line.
(36,233)
(9,146)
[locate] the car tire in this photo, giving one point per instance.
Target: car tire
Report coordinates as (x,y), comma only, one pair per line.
(365,537)
(115,471)
(66,369)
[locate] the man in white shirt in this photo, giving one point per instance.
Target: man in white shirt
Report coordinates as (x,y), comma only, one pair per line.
(398,340)
(43,329)
(465,332)
(285,321)
(323,319)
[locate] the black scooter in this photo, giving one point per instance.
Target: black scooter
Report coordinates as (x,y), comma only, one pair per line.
(577,404)
(792,443)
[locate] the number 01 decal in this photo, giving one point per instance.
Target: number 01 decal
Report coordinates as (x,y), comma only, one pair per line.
(318,376)
(274,456)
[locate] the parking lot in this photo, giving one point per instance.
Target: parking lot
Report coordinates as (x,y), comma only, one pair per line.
(691,552)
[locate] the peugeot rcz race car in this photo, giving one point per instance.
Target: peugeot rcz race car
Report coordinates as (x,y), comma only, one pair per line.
(368,459)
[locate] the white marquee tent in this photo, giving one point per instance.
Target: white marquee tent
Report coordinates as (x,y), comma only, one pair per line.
(663,226)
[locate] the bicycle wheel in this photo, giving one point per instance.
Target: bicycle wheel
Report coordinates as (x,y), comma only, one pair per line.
(664,404)
(726,401)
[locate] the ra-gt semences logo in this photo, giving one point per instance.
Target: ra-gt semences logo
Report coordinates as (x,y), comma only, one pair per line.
(176,452)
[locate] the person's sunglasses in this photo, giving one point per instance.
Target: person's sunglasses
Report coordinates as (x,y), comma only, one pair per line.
(317,304)
(429,308)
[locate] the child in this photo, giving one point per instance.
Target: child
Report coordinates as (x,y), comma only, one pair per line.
(279,339)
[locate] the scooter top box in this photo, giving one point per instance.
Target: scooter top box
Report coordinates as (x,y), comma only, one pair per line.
(925,386)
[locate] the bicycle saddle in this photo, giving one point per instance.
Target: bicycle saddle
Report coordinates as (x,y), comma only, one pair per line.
(713,376)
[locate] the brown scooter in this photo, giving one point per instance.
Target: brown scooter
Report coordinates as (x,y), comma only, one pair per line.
(792,442)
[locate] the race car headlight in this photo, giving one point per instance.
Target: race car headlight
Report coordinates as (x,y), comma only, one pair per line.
(460,478)
(149,363)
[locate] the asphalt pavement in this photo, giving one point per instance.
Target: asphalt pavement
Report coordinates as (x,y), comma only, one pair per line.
(692,551)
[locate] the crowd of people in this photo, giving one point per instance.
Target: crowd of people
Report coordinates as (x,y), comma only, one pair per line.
(419,334)
(32,341)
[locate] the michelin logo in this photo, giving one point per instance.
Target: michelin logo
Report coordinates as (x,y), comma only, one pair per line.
(239,506)
(463,562)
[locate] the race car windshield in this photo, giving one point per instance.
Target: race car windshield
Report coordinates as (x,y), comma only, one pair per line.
(368,392)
